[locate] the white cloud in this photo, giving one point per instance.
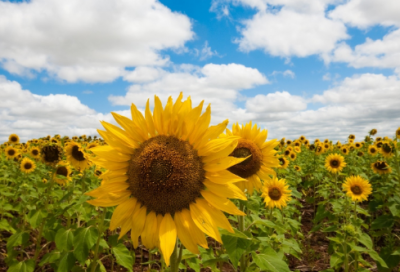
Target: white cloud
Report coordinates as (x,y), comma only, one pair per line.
(206,52)
(143,74)
(276,102)
(92,41)
(288,73)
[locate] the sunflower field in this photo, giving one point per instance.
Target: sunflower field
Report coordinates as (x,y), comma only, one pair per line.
(165,191)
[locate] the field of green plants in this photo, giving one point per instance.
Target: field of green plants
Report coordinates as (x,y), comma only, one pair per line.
(261,205)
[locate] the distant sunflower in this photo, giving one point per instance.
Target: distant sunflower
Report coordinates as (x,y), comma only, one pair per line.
(327,146)
(372,150)
(168,171)
(345,150)
(379,144)
(302,138)
(98,171)
(334,163)
(297,168)
(91,145)
(367,139)
(357,188)
(287,152)
(276,193)
(326,141)
(297,149)
(292,156)
(252,142)
(35,152)
(373,132)
(297,143)
(27,166)
(357,145)
(288,142)
(13,138)
(283,162)
(11,152)
(352,137)
(51,154)
(312,147)
(360,153)
(381,167)
(306,142)
(319,149)
(62,173)
(317,141)
(55,141)
(398,133)
(76,156)
(386,150)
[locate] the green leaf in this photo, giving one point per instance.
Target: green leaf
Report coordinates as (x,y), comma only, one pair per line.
(390,259)
(4,225)
(366,240)
(270,261)
(64,239)
(194,263)
(336,259)
(25,266)
(235,245)
(36,218)
(67,262)
(395,209)
(374,255)
(50,258)
(17,239)
(123,256)
(384,221)
(84,240)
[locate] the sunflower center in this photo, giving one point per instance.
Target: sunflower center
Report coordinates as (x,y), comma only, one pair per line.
(35,152)
(275,194)
(379,145)
(334,163)
(62,170)
(166,174)
(77,154)
(373,150)
(251,165)
(281,161)
(51,154)
(287,152)
(11,152)
(386,148)
(356,190)
(381,165)
(28,165)
(14,139)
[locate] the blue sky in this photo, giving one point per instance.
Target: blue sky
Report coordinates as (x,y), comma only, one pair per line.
(322,68)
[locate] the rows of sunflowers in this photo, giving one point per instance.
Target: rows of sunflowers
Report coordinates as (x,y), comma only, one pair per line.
(165,191)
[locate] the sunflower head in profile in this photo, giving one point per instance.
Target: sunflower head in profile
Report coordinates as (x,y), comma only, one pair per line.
(381,167)
(357,145)
(168,171)
(51,154)
(252,142)
(319,149)
(312,147)
(35,152)
(373,131)
(292,156)
(386,149)
(367,139)
(398,133)
(297,168)
(283,162)
(297,149)
(76,156)
(55,140)
(372,150)
(62,173)
(357,188)
(334,163)
(13,138)
(11,152)
(276,193)
(352,137)
(379,144)
(306,142)
(360,153)
(27,165)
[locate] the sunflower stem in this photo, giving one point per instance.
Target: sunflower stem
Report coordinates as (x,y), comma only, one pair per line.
(242,228)
(396,160)
(174,259)
(96,251)
(356,253)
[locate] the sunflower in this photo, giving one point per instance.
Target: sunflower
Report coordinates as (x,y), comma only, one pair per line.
(373,131)
(292,156)
(62,173)
(319,149)
(13,138)
(378,139)
(283,162)
(368,139)
(357,145)
(306,142)
(386,149)
(297,149)
(297,143)
(276,193)
(35,152)
(11,152)
(27,166)
(327,146)
(287,152)
(259,165)
(168,171)
(297,168)
(334,163)
(372,150)
(98,171)
(51,154)
(302,138)
(352,137)
(91,145)
(326,141)
(357,188)
(288,142)
(76,156)
(312,147)
(55,141)
(381,167)
(398,133)
(317,141)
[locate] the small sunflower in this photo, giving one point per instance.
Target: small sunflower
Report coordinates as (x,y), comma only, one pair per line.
(297,149)
(352,137)
(372,150)
(373,131)
(357,145)
(55,140)
(35,152)
(319,149)
(398,133)
(326,141)
(51,154)
(297,143)
(13,138)
(98,171)
(357,188)
(367,139)
(292,156)
(334,163)
(381,167)
(297,168)
(386,149)
(302,138)
(11,152)
(360,153)
(317,141)
(27,166)
(252,142)
(312,147)
(379,144)
(287,152)
(62,175)
(276,193)
(327,146)
(91,145)
(283,162)
(306,142)
(76,156)
(288,142)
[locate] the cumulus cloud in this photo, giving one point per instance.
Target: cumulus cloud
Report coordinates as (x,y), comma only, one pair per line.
(92,41)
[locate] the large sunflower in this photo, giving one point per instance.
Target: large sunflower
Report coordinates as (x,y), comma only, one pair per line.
(62,175)
(11,152)
(13,138)
(259,165)
(76,156)
(27,166)
(357,188)
(276,193)
(168,175)
(381,167)
(334,163)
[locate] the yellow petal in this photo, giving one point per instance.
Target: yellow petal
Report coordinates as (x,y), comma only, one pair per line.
(111,165)
(222,164)
(197,235)
(115,143)
(150,230)
(223,177)
(120,134)
(138,220)
(217,145)
(218,217)
(112,174)
(167,236)
(107,188)
(149,120)
(111,200)
(122,212)
(201,127)
(110,153)
(158,115)
(228,190)
(221,203)
(131,129)
(225,152)
(191,120)
(184,233)
(211,133)
(203,220)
